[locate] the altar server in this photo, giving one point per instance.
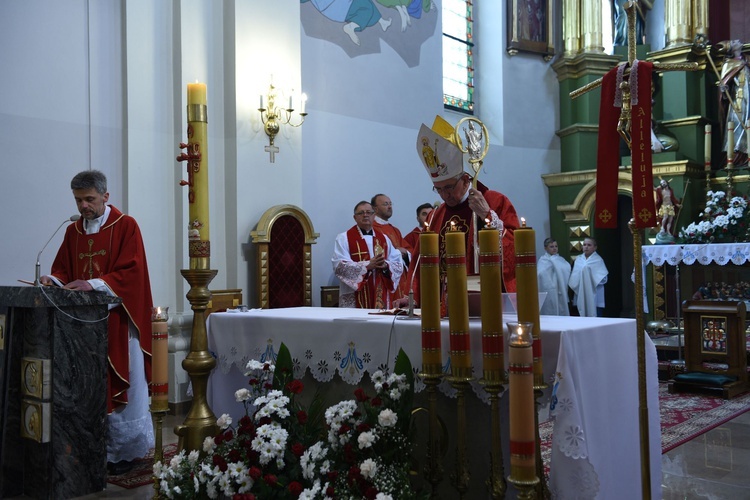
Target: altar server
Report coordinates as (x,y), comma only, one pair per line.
(587,280)
(553,274)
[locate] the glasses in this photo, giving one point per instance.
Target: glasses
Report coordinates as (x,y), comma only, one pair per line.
(445,189)
(364,212)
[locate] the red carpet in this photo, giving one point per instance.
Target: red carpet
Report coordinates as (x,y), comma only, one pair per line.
(142,473)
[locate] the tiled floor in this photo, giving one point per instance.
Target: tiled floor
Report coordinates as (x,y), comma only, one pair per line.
(714,466)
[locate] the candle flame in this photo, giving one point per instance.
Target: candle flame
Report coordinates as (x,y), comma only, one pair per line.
(158,310)
(523,222)
(520,331)
(426,226)
(487,221)
(453,225)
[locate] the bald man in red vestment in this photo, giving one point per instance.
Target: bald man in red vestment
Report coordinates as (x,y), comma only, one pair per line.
(103,251)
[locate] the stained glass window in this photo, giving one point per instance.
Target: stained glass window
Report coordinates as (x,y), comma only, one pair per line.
(458,59)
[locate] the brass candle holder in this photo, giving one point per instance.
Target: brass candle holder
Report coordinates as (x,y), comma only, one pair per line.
(461,476)
(496,483)
(200,422)
(433,469)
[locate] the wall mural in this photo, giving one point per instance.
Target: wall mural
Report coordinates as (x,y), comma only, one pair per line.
(358,26)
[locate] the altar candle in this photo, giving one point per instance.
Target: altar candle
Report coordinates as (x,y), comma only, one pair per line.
(707,148)
(527,291)
(521,402)
(199,242)
(159,360)
(730,144)
(458,303)
(429,282)
(492,308)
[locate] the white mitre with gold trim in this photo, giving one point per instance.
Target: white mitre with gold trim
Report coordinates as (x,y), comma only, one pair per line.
(437,149)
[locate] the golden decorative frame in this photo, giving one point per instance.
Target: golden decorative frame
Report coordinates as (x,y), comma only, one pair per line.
(261,236)
(519,38)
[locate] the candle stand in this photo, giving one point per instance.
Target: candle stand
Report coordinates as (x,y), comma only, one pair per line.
(200,421)
(496,481)
(526,489)
(542,490)
(433,468)
(158,416)
(461,476)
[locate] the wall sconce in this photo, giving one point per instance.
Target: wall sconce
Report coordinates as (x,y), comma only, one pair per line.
(274,115)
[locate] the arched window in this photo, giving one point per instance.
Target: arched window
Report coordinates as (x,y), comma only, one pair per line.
(458,58)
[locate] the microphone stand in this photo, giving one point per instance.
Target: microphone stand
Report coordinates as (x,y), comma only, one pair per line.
(37,270)
(411,293)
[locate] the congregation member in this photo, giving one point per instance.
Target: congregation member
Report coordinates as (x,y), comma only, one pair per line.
(423,211)
(553,274)
(443,161)
(115,264)
(587,280)
(366,263)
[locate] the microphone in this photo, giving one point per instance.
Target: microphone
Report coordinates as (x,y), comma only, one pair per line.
(37,275)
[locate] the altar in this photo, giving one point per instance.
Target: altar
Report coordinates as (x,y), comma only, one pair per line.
(590,365)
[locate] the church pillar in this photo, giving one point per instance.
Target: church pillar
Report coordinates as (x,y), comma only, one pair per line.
(684,19)
(591,26)
(571,27)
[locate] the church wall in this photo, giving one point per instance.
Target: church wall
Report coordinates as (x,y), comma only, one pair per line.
(116,101)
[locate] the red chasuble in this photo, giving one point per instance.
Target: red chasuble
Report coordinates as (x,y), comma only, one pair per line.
(440,220)
(116,255)
(372,292)
(394,234)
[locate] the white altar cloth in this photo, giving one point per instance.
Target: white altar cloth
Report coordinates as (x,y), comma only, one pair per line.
(596,443)
(701,253)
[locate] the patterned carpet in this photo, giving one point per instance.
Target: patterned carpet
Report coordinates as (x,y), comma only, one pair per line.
(683,417)
(142,473)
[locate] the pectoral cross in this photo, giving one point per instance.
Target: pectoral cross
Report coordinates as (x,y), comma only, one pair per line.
(624,128)
(91,256)
(360,254)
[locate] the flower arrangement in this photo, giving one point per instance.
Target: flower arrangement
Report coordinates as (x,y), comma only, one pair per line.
(357,448)
(724,220)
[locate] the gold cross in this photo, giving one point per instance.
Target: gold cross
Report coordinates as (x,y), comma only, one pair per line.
(91,256)
(605,216)
(361,253)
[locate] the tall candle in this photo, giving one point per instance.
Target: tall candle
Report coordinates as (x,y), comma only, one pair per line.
(458,303)
(492,305)
(527,292)
(730,144)
(707,147)
(159,360)
(521,402)
(199,242)
(429,282)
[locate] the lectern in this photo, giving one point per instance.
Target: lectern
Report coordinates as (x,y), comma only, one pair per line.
(53,378)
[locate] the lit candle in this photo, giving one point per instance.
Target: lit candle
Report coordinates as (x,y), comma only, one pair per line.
(199,242)
(521,402)
(707,147)
(491,301)
(730,144)
(429,282)
(458,302)
(527,291)
(159,361)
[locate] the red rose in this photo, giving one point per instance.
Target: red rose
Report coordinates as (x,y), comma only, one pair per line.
(360,394)
(302,417)
(371,493)
(295,386)
(376,401)
(219,461)
(330,492)
(234,455)
(255,473)
(298,449)
(295,488)
(270,479)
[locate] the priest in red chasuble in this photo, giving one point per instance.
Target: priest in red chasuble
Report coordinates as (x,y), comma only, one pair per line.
(443,161)
(383,208)
(103,251)
(366,263)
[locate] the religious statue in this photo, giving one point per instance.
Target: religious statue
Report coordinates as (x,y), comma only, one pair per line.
(734,85)
(666,202)
(621,21)
(473,139)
